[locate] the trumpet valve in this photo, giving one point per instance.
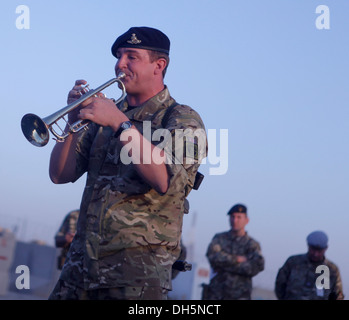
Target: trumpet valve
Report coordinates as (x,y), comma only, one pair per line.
(84,89)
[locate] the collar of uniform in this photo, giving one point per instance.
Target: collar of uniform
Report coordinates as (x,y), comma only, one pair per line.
(324,261)
(238,238)
(147,110)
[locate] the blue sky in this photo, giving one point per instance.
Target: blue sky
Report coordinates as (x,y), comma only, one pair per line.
(260,69)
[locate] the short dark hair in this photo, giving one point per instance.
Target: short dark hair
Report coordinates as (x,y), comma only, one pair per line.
(156,55)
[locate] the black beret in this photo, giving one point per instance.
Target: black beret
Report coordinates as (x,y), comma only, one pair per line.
(239,208)
(142,38)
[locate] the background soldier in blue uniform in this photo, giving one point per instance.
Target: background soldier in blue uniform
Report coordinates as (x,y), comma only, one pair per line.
(296,279)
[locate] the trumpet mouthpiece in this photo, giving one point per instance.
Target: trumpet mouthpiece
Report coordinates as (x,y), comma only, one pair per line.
(121,75)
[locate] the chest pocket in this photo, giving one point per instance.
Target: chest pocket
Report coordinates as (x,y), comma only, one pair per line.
(110,151)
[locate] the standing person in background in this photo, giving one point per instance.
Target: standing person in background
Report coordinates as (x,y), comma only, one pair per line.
(65,236)
(296,279)
(235,258)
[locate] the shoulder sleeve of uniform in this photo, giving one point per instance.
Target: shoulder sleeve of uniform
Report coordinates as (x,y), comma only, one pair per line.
(215,246)
(187,147)
(189,140)
(295,260)
(183,117)
(253,242)
(332,266)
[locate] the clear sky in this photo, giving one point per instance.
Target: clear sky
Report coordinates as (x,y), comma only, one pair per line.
(263,70)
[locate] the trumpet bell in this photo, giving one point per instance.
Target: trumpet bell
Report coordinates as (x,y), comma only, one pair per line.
(35,130)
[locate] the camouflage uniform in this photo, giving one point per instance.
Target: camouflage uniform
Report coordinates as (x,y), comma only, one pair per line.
(68,226)
(296,280)
(232,280)
(128,234)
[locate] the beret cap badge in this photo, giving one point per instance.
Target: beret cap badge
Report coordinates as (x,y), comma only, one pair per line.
(240,208)
(134,39)
(142,38)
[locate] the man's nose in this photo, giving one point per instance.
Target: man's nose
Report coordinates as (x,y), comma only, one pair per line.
(121,63)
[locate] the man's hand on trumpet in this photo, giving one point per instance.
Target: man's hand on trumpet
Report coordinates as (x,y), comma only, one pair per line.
(74,94)
(98,109)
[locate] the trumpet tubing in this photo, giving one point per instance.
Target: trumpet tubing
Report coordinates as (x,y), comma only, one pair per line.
(36,129)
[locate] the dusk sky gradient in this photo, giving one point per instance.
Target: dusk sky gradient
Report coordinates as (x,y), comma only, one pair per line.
(262,71)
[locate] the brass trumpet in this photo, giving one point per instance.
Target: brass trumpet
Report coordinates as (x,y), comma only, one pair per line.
(36,130)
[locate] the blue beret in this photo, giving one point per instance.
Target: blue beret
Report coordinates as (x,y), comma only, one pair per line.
(317,239)
(142,38)
(239,208)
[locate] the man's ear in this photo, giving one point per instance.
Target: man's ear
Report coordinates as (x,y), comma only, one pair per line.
(160,65)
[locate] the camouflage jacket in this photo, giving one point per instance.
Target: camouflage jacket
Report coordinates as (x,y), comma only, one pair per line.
(296,280)
(128,234)
(233,280)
